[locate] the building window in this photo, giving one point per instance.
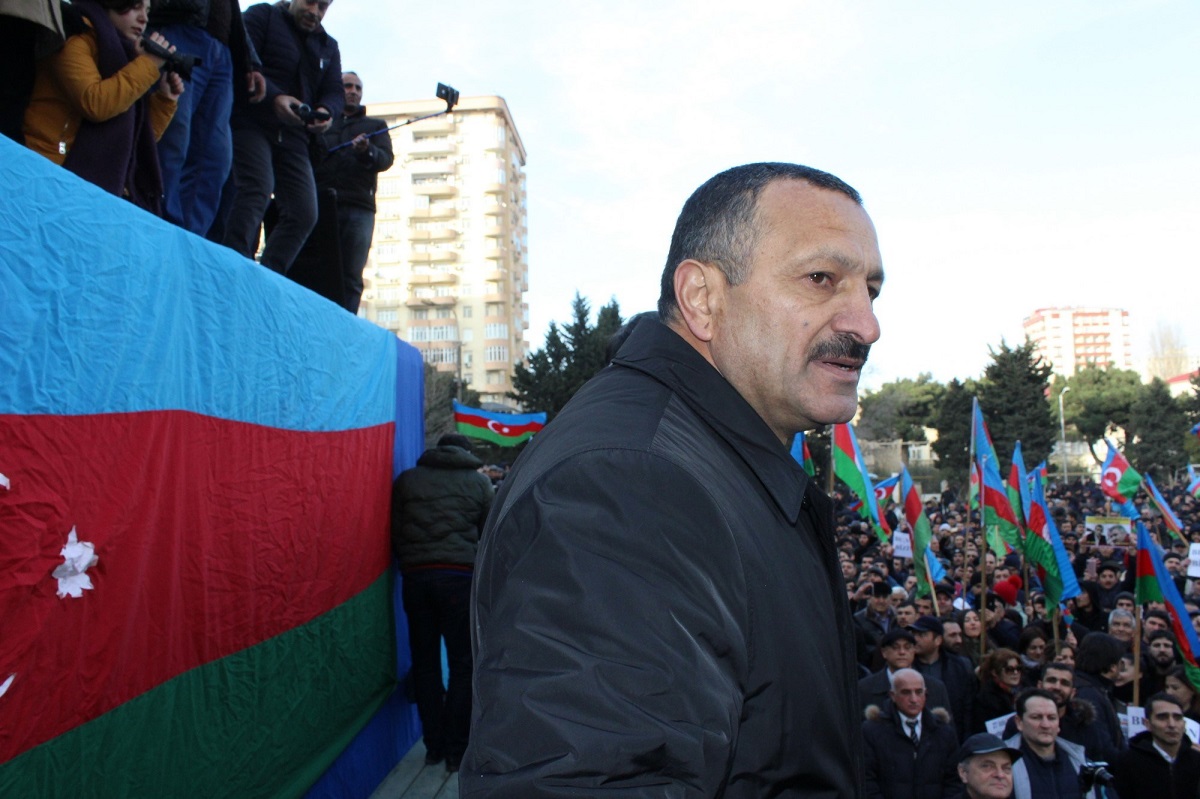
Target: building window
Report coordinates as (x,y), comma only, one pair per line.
(443,355)
(418,334)
(495,378)
(443,333)
(444,313)
(467,311)
(496,353)
(420,313)
(387,316)
(468,360)
(494,309)
(495,330)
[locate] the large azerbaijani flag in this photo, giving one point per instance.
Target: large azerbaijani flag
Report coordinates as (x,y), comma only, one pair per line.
(504,429)
(918,522)
(1041,524)
(195,579)
(1169,518)
(1154,584)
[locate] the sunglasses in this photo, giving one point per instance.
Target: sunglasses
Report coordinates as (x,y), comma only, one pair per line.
(1012,669)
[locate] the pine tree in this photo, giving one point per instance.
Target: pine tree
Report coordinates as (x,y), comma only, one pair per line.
(572,354)
(952,419)
(1160,430)
(1013,395)
(1099,399)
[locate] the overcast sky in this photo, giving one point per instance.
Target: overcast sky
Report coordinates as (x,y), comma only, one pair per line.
(1012,155)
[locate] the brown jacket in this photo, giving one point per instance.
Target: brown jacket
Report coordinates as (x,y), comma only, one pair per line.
(68,89)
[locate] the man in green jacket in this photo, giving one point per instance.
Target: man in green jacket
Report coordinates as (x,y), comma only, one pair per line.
(438,508)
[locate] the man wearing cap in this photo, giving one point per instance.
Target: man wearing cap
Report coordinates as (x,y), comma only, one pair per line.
(1049,765)
(985,766)
(438,510)
(909,750)
(932,660)
(876,619)
(898,648)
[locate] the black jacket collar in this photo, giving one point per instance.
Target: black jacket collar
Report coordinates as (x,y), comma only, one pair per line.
(661,353)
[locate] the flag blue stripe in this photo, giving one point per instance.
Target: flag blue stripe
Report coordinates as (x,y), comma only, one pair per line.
(507,418)
(205,322)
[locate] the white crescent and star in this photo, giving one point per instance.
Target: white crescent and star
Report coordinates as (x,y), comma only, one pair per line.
(496,427)
(1111,476)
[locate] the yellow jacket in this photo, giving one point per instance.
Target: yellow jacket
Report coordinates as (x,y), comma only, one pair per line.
(68,89)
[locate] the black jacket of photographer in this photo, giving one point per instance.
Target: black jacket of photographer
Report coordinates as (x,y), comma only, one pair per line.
(353,175)
(221,19)
(305,65)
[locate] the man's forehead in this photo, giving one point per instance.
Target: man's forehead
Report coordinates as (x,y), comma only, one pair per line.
(822,213)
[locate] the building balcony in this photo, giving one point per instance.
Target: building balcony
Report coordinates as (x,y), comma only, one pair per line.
(437,145)
(495,188)
(442,124)
(430,302)
(423,167)
(435,189)
(433,278)
(441,255)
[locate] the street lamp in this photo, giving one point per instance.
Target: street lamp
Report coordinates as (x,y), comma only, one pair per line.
(1062,426)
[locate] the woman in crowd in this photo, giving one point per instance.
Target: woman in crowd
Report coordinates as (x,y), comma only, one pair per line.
(92,110)
(1031,646)
(999,679)
(1179,687)
(972,628)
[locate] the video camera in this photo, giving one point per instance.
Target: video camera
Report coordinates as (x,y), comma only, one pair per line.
(178,63)
(308,115)
(1094,773)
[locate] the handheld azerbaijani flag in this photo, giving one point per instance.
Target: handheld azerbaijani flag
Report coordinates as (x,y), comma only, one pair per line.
(1119,481)
(802,454)
(1193,482)
(504,429)
(1169,518)
(849,467)
(1154,584)
(997,514)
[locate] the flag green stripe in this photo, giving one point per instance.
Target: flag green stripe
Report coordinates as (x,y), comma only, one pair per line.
(474,431)
(266,721)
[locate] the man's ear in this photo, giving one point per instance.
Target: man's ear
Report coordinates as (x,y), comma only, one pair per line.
(698,290)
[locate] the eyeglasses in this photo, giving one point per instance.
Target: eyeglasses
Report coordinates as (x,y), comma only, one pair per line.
(1012,669)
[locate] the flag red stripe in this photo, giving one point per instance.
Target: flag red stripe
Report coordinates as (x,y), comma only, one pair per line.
(195,560)
(483,422)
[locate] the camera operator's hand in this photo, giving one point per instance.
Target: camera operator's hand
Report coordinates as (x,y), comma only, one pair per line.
(158,38)
(171,86)
(256,85)
(320,126)
(283,110)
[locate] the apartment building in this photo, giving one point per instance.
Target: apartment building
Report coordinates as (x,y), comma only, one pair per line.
(448,268)
(1070,338)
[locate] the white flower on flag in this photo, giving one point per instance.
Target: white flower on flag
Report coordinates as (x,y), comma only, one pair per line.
(4,686)
(78,557)
(4,481)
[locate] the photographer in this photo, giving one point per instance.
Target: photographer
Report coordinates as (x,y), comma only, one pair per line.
(302,66)
(90,110)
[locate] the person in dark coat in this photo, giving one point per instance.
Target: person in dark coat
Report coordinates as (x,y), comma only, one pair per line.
(637,627)
(898,649)
(956,672)
(438,509)
(909,750)
(1077,718)
(1160,762)
(347,160)
(1097,664)
(302,66)
(999,678)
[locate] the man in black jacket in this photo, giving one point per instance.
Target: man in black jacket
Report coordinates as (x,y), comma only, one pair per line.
(658,608)
(910,751)
(303,67)
(1160,762)
(438,509)
(351,175)
(955,672)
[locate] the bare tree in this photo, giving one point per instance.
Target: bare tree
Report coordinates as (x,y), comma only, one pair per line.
(1168,352)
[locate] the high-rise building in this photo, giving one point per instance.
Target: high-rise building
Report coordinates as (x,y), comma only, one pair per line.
(1071,338)
(448,269)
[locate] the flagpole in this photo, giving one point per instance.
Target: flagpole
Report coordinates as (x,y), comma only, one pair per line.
(1054,623)
(1137,654)
(983,575)
(831,448)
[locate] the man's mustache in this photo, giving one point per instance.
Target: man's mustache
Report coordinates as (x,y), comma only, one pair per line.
(840,347)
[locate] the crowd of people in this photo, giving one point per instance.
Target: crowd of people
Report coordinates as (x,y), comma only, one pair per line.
(985,657)
(214,119)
